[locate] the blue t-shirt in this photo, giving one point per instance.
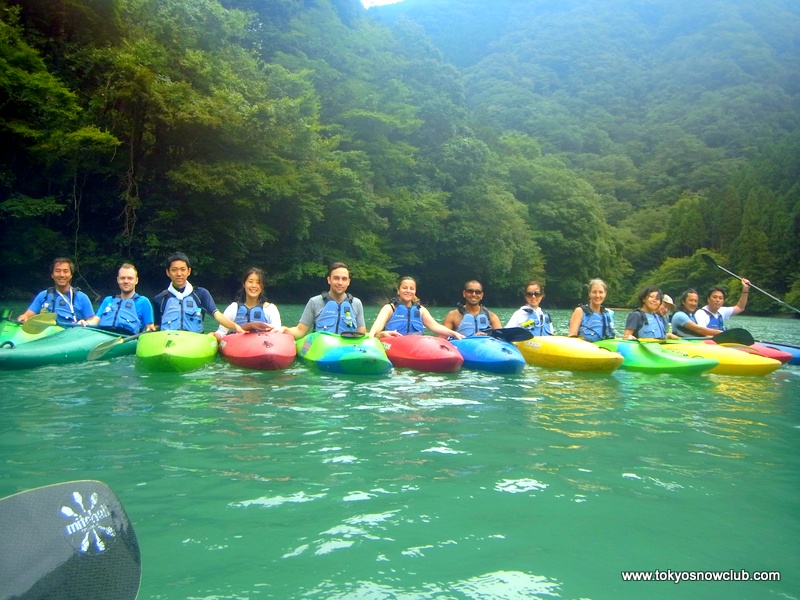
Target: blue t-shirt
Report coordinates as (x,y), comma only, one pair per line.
(70,307)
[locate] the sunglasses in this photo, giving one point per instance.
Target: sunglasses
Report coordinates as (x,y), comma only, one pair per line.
(537,294)
(471,291)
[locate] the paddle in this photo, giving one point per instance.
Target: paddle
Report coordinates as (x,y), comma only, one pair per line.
(102,348)
(511,334)
(68,540)
(712,262)
(736,335)
(352,334)
(38,323)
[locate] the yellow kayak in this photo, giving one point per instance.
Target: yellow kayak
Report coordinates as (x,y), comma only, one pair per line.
(731,361)
(571,354)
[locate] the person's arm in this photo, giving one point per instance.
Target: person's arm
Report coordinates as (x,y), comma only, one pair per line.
(230,314)
(34,308)
(575,320)
(273,315)
(436,327)
(144,308)
(358,313)
(681,320)
(452,319)
(83,307)
(495,321)
(742,303)
(377,329)
(516,319)
(225,321)
(632,325)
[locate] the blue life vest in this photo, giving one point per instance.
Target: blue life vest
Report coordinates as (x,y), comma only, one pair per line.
(405,320)
(714,321)
(336,317)
(536,327)
(186,314)
(246,315)
(596,326)
(682,331)
(55,302)
(121,316)
(472,324)
(653,326)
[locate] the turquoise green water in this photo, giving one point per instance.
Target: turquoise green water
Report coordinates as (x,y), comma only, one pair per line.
(244,484)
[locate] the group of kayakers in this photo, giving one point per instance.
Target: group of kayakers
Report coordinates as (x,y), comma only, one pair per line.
(183,306)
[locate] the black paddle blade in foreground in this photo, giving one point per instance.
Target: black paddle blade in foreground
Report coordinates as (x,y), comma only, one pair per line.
(68,541)
(511,334)
(734,336)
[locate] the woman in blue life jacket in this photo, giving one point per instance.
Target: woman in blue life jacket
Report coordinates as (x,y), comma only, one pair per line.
(531,316)
(646,322)
(593,321)
(251,309)
(404,315)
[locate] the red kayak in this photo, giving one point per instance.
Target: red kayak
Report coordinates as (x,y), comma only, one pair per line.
(263,350)
(422,353)
(760,349)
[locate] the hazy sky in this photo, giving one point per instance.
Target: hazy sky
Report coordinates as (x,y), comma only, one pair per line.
(369,3)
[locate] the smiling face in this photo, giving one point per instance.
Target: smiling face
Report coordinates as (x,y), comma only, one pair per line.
(597,295)
(178,273)
(473,293)
(62,275)
(127,280)
(533,295)
(715,300)
(407,291)
(339,281)
(652,302)
(691,302)
(253,287)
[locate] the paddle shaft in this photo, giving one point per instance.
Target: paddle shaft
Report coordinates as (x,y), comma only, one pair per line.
(755,287)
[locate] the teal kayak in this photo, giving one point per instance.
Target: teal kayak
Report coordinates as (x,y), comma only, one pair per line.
(337,354)
(175,350)
(70,345)
(652,357)
(11,334)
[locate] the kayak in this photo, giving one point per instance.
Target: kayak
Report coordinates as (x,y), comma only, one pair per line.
(731,362)
(175,350)
(794,351)
(71,345)
(348,355)
(652,357)
(11,334)
(485,353)
(567,353)
(263,350)
(422,353)
(761,350)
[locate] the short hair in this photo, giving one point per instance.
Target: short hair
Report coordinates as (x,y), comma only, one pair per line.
(466,284)
(128,266)
(62,259)
(717,288)
(337,265)
(649,290)
(178,256)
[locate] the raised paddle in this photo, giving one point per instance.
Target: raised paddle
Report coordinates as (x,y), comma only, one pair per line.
(102,348)
(713,263)
(511,334)
(68,541)
(38,323)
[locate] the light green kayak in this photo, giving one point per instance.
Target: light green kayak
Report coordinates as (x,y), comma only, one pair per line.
(69,345)
(12,335)
(652,357)
(175,350)
(337,354)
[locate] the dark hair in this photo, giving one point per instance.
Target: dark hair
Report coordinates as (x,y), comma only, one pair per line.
(337,265)
(178,256)
(472,281)
(716,288)
(533,282)
(649,290)
(62,259)
(241,295)
(684,295)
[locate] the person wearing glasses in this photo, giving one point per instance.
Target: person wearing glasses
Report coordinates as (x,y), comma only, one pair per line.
(531,316)
(472,317)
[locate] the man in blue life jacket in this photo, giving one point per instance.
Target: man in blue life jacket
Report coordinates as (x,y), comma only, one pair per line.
(334,311)
(182,306)
(471,317)
(713,315)
(68,303)
(127,313)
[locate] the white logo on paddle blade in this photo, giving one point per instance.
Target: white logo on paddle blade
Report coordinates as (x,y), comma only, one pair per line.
(87,529)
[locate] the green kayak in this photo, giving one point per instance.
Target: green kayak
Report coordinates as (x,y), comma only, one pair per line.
(11,334)
(175,350)
(70,345)
(651,357)
(350,355)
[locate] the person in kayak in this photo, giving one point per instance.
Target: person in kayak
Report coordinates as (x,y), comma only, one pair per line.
(713,315)
(593,321)
(646,322)
(181,306)
(404,315)
(664,311)
(127,312)
(684,323)
(68,303)
(250,308)
(334,311)
(472,317)
(531,316)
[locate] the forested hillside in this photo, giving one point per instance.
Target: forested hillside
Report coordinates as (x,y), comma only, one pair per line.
(447,139)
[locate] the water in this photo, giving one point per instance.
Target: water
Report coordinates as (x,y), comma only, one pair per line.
(296,484)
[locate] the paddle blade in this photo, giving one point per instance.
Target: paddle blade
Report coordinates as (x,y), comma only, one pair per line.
(100,350)
(709,260)
(352,334)
(69,540)
(734,336)
(38,323)
(511,334)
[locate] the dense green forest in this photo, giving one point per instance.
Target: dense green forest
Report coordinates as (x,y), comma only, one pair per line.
(448,139)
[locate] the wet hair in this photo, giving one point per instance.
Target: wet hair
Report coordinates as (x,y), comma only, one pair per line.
(178,256)
(338,265)
(684,296)
(241,295)
(717,288)
(597,281)
(649,290)
(62,259)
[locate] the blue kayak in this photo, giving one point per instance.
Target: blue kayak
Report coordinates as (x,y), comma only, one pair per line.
(485,353)
(793,350)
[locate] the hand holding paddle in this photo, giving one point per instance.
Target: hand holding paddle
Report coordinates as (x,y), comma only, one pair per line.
(38,323)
